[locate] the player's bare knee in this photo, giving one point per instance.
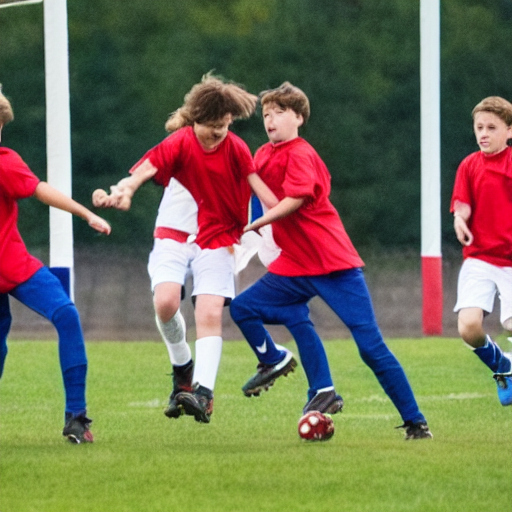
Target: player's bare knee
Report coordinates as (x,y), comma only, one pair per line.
(165,308)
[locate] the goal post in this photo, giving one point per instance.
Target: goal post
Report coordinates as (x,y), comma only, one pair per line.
(58,130)
(431,256)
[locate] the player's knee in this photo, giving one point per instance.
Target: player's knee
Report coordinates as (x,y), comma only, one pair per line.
(66,318)
(238,310)
(166,307)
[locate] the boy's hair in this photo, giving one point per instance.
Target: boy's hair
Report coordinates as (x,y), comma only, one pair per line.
(210,100)
(495,105)
(6,113)
(287,96)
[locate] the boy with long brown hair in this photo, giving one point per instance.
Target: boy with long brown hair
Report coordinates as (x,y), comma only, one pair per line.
(205,170)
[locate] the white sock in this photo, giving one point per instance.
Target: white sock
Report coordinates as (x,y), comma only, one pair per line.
(208,352)
(173,334)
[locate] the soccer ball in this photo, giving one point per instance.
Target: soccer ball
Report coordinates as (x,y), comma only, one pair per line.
(315,426)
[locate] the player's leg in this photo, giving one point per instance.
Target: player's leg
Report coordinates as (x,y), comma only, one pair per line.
(347,294)
(5,326)
(213,275)
(280,300)
(44,294)
(167,268)
(476,290)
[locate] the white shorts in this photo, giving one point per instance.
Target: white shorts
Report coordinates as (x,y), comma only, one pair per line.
(478,284)
(212,270)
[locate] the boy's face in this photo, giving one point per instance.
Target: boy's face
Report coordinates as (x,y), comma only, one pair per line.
(281,124)
(212,133)
(491,132)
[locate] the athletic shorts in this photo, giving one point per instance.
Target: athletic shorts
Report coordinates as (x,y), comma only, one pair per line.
(212,270)
(478,284)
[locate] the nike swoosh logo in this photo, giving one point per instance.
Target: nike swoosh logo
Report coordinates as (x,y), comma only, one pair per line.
(262,348)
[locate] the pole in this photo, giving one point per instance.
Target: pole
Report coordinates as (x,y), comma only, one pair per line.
(58,140)
(431,258)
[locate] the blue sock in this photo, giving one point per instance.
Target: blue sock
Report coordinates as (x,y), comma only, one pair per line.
(490,354)
(74,385)
(73,358)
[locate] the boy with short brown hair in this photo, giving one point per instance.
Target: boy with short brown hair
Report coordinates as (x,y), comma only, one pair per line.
(482,208)
(317,258)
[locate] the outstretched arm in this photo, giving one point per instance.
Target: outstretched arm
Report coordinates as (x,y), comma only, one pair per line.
(461,215)
(282,209)
(53,197)
(120,196)
(260,188)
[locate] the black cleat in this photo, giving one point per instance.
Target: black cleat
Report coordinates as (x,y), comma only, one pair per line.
(77,430)
(197,403)
(267,374)
(418,430)
(182,381)
(326,402)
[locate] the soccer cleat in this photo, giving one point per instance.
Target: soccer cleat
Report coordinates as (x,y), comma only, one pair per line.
(503,378)
(267,374)
(77,430)
(326,402)
(416,430)
(198,403)
(181,381)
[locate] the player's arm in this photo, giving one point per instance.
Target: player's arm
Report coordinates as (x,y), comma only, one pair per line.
(260,188)
(121,194)
(282,209)
(461,215)
(53,197)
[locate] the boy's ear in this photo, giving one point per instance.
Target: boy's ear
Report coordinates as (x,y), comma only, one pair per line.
(300,117)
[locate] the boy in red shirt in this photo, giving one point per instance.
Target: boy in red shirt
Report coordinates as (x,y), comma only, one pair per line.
(316,258)
(28,280)
(482,208)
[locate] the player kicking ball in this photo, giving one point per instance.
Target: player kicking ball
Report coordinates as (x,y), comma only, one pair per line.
(317,258)
(26,278)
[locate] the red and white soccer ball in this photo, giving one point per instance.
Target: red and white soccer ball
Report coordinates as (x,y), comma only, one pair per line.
(315,426)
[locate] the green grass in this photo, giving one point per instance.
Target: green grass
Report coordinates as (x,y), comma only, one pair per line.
(250,458)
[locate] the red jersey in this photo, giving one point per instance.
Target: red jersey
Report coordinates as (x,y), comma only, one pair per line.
(217,180)
(16,182)
(485,183)
(312,239)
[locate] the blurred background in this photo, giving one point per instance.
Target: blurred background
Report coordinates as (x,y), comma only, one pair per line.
(130,65)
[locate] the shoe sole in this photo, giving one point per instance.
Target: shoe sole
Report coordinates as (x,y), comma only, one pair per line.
(423,435)
(264,386)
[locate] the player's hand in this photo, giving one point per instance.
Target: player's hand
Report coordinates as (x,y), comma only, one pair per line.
(118,198)
(99,224)
(99,198)
(463,233)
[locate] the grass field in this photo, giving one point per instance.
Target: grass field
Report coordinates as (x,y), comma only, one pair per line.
(250,458)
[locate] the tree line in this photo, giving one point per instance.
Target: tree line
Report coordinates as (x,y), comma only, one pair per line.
(358,60)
